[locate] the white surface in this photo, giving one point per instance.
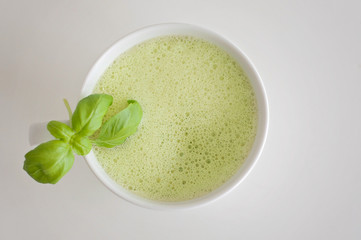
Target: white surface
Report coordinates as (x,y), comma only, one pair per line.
(307,183)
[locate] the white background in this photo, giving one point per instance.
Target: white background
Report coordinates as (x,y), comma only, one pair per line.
(307,183)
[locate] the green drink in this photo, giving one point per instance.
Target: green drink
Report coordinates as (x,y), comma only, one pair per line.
(199,118)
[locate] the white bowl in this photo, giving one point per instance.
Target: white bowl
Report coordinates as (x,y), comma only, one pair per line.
(150,32)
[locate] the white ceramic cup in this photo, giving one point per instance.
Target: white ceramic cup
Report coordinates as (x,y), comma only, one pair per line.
(38,134)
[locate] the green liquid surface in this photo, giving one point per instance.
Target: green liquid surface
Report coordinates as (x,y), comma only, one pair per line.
(199,118)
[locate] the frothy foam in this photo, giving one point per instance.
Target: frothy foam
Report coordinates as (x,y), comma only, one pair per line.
(199,120)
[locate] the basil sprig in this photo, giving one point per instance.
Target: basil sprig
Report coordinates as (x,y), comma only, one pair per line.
(50,161)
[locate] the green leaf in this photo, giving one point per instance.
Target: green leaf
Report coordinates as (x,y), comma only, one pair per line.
(120,126)
(81,145)
(89,113)
(60,130)
(49,161)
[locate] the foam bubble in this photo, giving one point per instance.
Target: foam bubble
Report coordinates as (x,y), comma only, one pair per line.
(199,121)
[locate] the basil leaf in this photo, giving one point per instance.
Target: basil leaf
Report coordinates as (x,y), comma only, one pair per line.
(81,145)
(49,161)
(120,126)
(89,113)
(60,130)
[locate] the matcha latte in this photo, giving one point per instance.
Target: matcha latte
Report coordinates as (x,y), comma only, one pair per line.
(199,118)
